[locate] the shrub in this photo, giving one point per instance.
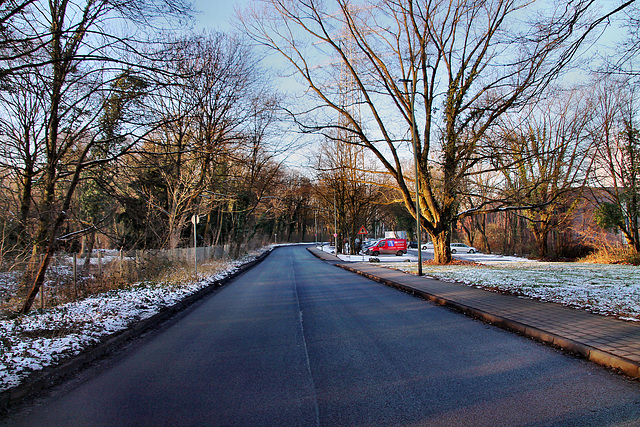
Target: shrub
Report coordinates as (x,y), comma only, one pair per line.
(613,255)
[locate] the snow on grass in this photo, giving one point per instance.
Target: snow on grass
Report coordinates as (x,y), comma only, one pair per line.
(612,290)
(40,339)
(8,285)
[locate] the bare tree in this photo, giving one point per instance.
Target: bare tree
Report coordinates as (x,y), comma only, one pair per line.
(14,44)
(546,161)
(624,61)
(447,69)
(22,128)
(72,51)
(616,177)
(346,189)
(254,182)
(478,189)
(206,114)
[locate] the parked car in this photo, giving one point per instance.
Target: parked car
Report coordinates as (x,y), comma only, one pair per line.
(388,246)
(455,247)
(413,245)
(461,247)
(428,245)
(366,245)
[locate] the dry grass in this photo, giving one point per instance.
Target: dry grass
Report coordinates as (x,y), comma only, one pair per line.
(613,255)
(60,289)
(181,273)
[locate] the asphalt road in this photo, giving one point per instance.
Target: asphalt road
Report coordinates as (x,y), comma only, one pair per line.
(296,341)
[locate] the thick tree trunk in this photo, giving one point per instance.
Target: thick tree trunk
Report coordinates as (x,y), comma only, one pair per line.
(543,244)
(176,226)
(541,236)
(633,242)
(441,248)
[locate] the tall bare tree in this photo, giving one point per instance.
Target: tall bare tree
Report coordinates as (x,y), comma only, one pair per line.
(74,51)
(207,115)
(346,189)
(22,127)
(616,151)
(546,161)
(446,69)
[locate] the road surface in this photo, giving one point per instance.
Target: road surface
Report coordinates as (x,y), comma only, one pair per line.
(296,341)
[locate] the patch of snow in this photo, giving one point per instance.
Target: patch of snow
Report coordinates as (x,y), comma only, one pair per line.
(412,256)
(612,290)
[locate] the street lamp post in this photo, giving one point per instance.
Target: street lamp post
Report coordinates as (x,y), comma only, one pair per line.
(414,142)
(335,220)
(195,219)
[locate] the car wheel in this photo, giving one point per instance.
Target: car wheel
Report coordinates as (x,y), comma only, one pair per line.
(453,251)
(471,251)
(375,253)
(399,253)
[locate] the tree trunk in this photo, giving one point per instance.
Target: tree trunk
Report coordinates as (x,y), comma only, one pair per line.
(25,198)
(634,209)
(216,241)
(469,232)
(483,231)
(89,242)
(629,235)
(441,247)
(176,226)
(542,239)
(50,244)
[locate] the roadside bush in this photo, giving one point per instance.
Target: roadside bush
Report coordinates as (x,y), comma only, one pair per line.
(117,273)
(613,255)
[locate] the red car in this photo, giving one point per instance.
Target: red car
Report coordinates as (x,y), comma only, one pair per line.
(388,246)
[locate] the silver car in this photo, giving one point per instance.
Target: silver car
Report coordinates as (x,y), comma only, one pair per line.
(462,248)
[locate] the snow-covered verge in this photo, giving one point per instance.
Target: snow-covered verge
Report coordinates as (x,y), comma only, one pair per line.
(41,339)
(611,290)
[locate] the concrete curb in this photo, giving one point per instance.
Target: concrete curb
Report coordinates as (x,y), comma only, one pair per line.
(325,256)
(48,376)
(601,357)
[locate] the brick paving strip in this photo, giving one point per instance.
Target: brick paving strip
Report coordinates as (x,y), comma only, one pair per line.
(604,340)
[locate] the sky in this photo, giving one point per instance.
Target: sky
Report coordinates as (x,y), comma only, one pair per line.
(216,14)
(219,15)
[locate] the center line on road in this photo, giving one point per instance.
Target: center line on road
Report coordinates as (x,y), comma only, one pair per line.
(304,343)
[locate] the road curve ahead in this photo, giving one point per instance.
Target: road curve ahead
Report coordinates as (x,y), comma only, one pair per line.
(296,341)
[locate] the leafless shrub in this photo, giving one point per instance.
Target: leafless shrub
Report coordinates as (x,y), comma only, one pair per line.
(608,254)
(119,272)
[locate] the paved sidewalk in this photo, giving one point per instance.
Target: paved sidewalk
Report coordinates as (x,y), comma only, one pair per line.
(604,340)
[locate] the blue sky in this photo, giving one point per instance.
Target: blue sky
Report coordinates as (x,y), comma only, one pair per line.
(216,14)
